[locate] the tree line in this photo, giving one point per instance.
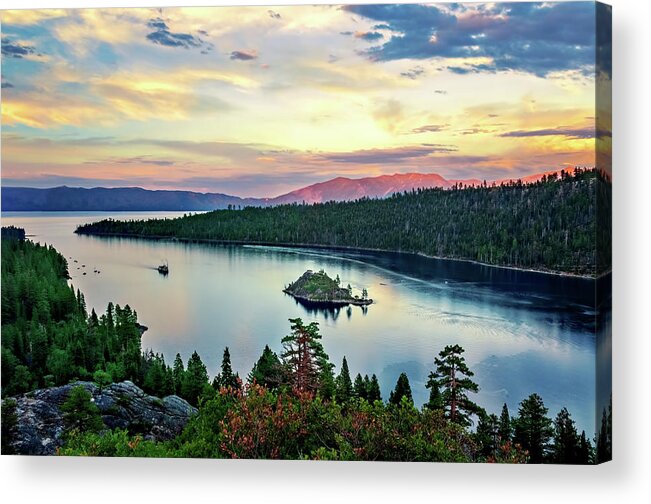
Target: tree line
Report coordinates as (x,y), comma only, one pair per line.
(553,224)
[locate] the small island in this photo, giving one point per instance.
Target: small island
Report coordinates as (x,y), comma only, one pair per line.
(319,288)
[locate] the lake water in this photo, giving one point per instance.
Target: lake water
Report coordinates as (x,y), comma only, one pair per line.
(522,332)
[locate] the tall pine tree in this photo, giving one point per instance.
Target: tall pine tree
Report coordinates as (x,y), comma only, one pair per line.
(403,389)
(226,378)
(566,439)
(267,371)
(303,356)
(344,384)
(533,430)
(374,393)
(453,377)
(505,427)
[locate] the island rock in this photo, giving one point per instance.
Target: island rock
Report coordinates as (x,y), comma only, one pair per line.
(318,288)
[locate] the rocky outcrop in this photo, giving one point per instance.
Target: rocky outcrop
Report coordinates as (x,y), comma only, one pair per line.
(318,289)
(123,405)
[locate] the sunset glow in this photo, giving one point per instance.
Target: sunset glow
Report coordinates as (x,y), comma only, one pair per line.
(258,101)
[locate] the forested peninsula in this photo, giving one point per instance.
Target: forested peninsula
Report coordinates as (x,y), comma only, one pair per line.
(549,225)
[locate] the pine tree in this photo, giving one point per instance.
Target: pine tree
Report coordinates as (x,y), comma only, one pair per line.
(327,382)
(505,428)
(487,434)
(604,436)
(344,384)
(453,377)
(585,455)
(303,357)
(267,371)
(435,401)
(533,430)
(195,380)
(178,374)
(226,378)
(566,439)
(403,389)
(359,388)
(80,413)
(374,393)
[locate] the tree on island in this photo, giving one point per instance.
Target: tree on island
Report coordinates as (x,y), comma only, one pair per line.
(303,356)
(403,389)
(452,376)
(533,430)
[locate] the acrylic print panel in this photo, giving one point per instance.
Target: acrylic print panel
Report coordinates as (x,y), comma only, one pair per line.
(349,232)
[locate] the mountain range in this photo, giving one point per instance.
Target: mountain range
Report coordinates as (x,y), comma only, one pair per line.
(65,198)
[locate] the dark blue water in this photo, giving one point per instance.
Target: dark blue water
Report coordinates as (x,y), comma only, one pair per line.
(523,332)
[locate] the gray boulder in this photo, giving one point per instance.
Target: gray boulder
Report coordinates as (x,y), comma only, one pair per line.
(123,405)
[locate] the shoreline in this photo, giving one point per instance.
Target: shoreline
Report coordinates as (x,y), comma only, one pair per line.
(335,303)
(342,248)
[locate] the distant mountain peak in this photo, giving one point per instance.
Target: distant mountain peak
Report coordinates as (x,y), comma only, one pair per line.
(64,198)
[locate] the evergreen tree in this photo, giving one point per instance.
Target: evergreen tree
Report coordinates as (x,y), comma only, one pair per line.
(374,390)
(453,377)
(487,434)
(344,390)
(102,379)
(80,413)
(604,436)
(403,389)
(195,380)
(303,356)
(267,371)
(585,455)
(505,427)
(178,374)
(566,439)
(533,430)
(359,388)
(435,401)
(327,382)
(227,378)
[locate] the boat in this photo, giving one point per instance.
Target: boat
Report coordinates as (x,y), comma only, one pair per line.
(164,268)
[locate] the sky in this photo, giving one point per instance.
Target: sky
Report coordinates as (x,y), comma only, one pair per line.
(259,101)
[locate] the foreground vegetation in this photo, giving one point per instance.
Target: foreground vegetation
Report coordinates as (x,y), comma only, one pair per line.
(549,225)
(291,405)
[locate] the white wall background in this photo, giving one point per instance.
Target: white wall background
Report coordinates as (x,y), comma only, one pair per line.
(627,479)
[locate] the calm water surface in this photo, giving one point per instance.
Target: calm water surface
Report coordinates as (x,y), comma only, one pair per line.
(522,332)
